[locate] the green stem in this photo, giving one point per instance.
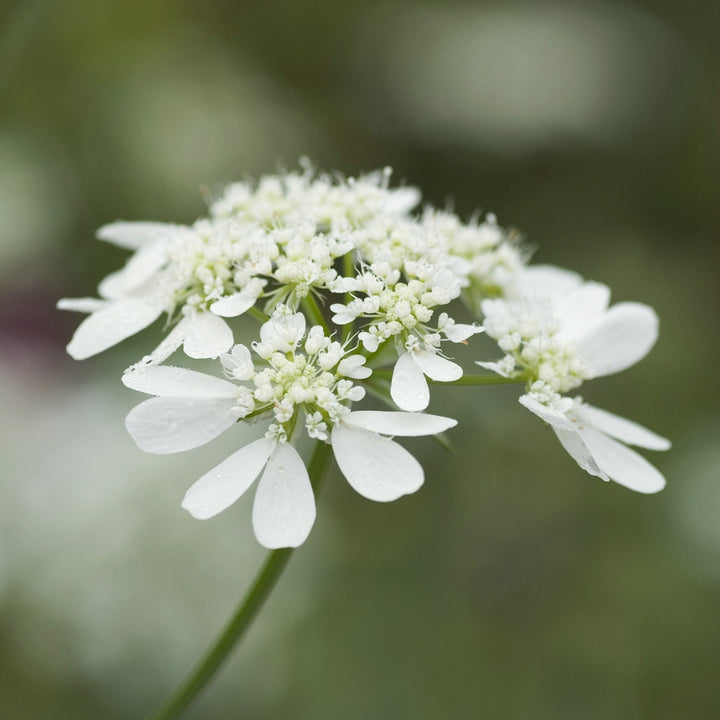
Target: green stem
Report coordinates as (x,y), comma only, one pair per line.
(464,380)
(348,271)
(249,607)
(486,380)
(311,307)
(258,314)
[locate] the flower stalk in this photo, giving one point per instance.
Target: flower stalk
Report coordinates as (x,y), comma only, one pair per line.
(248,609)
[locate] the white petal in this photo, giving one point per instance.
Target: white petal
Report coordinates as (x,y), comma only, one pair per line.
(543,281)
(84,305)
(207,336)
(138,269)
(353,366)
(233,305)
(238,363)
(460,332)
(580,308)
(113,323)
(133,235)
(169,381)
(284,331)
(496,309)
(168,345)
(408,387)
(224,484)
(378,468)
(578,451)
(623,336)
(342,315)
(622,464)
(496,367)
(284,508)
(551,416)
(370,342)
(437,367)
(167,425)
(404,424)
(620,428)
(402,200)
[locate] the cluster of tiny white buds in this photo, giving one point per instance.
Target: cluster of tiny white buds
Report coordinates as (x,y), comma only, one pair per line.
(534,346)
(307,370)
(546,394)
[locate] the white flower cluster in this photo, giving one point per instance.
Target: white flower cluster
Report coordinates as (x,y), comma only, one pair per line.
(306,380)
(344,281)
(557,331)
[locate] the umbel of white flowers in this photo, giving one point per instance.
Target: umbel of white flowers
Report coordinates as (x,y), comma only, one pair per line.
(345,281)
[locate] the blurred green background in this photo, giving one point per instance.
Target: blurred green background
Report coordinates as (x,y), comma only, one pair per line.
(513,585)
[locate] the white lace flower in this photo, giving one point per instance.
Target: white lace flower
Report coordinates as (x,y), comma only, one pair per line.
(558,331)
(403,311)
(174,267)
(191,408)
(131,298)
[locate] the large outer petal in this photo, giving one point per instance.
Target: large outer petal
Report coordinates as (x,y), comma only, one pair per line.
(168,345)
(169,381)
(551,416)
(83,305)
(284,508)
(207,336)
(579,452)
(408,388)
(622,337)
(460,332)
(225,483)
(138,270)
(622,464)
(404,424)
(112,324)
(377,468)
(620,428)
(580,308)
(164,425)
(542,281)
(437,367)
(233,305)
(133,235)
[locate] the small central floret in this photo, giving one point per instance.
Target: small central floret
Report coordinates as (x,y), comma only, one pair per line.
(394,307)
(311,376)
(201,267)
(534,347)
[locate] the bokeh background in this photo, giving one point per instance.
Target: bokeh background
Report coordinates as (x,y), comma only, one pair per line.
(512,586)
